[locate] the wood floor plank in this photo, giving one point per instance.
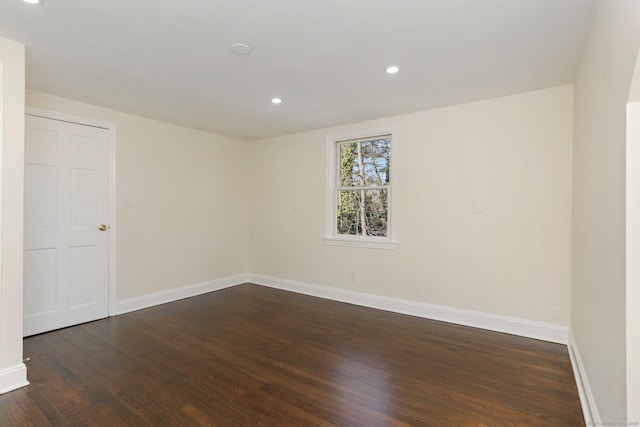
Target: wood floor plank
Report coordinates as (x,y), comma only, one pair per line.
(255,356)
(49,409)
(32,415)
(18,409)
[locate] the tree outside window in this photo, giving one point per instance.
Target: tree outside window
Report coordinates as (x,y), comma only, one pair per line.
(363,186)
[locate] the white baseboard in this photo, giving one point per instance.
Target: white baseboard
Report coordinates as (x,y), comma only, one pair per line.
(492,322)
(163,297)
(588,403)
(13,378)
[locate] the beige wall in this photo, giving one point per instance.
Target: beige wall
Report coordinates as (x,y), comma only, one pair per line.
(188,223)
(598,292)
(12,168)
(512,153)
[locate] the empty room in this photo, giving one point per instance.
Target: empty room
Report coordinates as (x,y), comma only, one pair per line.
(335,213)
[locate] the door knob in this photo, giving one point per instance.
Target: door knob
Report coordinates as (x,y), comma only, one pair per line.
(102,227)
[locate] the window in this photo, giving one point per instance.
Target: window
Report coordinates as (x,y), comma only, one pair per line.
(360,194)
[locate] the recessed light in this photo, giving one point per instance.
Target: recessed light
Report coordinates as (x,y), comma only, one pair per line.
(393,69)
(276,100)
(241,48)
(33,1)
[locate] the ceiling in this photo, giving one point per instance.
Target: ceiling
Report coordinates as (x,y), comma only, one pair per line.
(171,60)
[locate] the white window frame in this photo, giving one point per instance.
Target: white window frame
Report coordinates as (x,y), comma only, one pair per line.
(332,237)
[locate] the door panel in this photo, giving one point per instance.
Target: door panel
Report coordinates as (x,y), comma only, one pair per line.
(66,199)
(84,205)
(83,280)
(42,192)
(40,279)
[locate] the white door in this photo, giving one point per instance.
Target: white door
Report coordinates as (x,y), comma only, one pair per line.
(66,241)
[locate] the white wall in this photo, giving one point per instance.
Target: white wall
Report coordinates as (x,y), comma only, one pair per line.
(633,247)
(188,223)
(598,291)
(512,153)
(12,370)
(633,261)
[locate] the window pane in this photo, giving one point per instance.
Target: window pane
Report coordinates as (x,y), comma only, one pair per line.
(365,163)
(362,212)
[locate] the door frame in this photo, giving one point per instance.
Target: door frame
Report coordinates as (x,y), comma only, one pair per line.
(111,220)
(632,256)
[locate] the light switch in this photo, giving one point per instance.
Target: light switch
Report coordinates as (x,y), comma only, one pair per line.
(478,207)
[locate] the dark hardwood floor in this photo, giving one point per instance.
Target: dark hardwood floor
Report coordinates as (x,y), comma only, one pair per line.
(251,355)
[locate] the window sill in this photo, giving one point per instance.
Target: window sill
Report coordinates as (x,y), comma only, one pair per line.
(356,243)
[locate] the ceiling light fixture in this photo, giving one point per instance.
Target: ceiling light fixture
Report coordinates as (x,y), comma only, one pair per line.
(241,48)
(276,100)
(392,70)
(33,1)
